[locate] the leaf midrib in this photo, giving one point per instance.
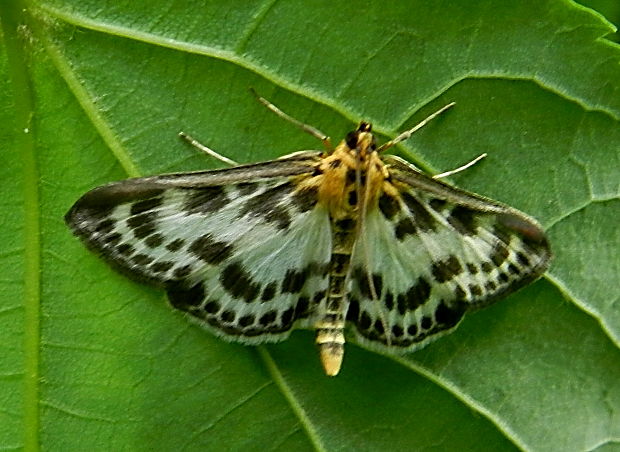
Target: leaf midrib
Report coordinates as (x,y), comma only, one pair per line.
(13,19)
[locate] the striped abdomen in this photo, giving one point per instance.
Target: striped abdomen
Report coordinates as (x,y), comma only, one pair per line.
(330,325)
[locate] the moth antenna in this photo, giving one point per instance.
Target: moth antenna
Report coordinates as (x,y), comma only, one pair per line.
(316,133)
(460,168)
(201,147)
(405,135)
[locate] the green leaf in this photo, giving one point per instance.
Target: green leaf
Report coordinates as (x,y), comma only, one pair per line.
(610,9)
(90,358)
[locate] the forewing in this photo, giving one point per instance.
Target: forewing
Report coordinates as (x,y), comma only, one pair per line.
(430,254)
(244,250)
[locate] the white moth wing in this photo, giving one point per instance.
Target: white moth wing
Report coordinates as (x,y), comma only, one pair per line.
(426,257)
(242,250)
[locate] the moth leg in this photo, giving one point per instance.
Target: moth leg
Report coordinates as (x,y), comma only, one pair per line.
(201,147)
(406,134)
(460,168)
(305,127)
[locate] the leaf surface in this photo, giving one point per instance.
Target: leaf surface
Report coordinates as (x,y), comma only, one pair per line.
(91,358)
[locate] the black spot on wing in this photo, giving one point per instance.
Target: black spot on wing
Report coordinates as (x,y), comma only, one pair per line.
(154,240)
(268,205)
(513,269)
(449,316)
(501,233)
(475,290)
(523,259)
(294,281)
(238,283)
(422,218)
(212,307)
(419,293)
(499,253)
(112,239)
(205,200)
(447,269)
(280,217)
(141,259)
(269,292)
(302,309)
(362,278)
(389,301)
(438,204)
(463,220)
(161,267)
(104,227)
(227,316)
(397,331)
(183,297)
(182,272)
(319,296)
(210,250)
(353,312)
(175,245)
(404,228)
(268,318)
(246,320)
(388,205)
(287,317)
(379,326)
(416,296)
(143,224)
(125,249)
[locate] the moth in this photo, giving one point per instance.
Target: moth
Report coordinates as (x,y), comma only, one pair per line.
(347,237)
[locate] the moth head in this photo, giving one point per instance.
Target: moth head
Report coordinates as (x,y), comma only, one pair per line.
(361,139)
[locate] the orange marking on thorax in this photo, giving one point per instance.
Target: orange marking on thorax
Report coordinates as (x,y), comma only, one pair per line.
(338,178)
